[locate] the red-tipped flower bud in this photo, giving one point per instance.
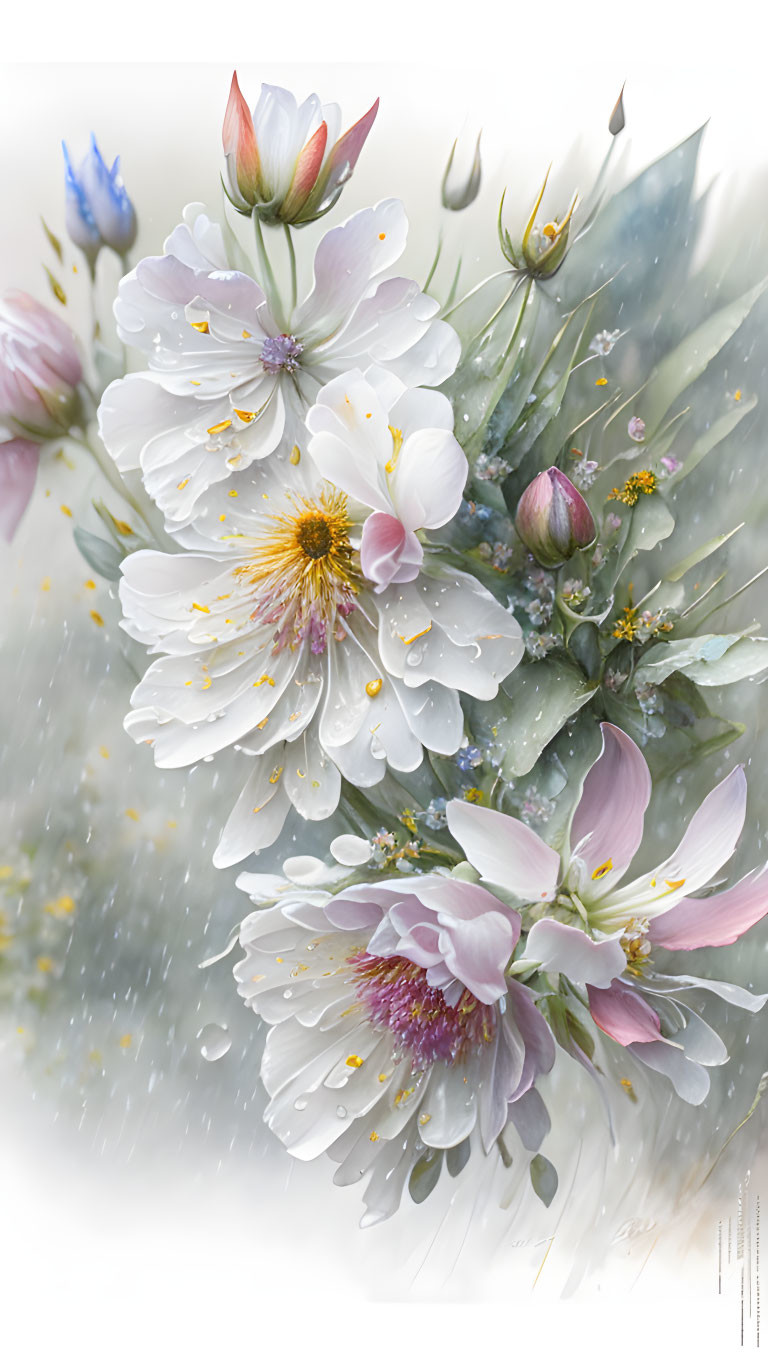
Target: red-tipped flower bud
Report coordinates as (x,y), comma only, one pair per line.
(553,520)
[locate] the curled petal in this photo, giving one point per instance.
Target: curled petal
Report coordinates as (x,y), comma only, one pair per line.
(389,553)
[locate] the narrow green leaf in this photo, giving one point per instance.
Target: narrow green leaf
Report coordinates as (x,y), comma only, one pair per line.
(703,552)
(103,557)
(544,1179)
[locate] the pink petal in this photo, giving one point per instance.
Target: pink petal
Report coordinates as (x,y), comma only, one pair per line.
(608,821)
(18,469)
(505,851)
(716,920)
(568,949)
(348,148)
(389,553)
(307,167)
(239,139)
(623,1014)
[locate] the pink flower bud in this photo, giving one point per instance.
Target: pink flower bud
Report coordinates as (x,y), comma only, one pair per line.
(553,520)
(39,370)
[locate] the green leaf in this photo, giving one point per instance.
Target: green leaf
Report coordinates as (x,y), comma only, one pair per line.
(53,241)
(703,659)
(711,438)
(543,695)
(543,1179)
(456,1158)
(690,358)
(745,659)
(650,522)
(103,557)
(703,552)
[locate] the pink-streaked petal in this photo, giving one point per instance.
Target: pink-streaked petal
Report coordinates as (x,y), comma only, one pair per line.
(505,851)
(567,949)
(307,168)
(608,821)
(716,920)
(477,951)
(389,553)
(239,139)
(348,148)
(623,1014)
(18,470)
(707,844)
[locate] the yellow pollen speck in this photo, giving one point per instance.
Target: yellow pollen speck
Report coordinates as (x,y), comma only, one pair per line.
(601,382)
(295,455)
(66,510)
(247,335)
(382,235)
(737,395)
(244,416)
(104,751)
(383,1076)
(97,618)
(126,1040)
(44,964)
(300,774)
(232,493)
(195,382)
(89,583)
(46,585)
(473,794)
(424,1118)
(354,1061)
(207,684)
(299,968)
(278,959)
(275,775)
(675,886)
(374,1136)
(132,814)
(262,723)
(223,516)
(201,327)
(196,607)
(182,485)
(653,881)
(601,871)
(219,426)
(374,687)
(123,527)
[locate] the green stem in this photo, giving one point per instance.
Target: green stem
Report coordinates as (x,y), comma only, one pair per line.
(268,276)
(292,259)
(497,276)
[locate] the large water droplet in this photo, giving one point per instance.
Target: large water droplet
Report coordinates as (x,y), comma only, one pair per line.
(214,1041)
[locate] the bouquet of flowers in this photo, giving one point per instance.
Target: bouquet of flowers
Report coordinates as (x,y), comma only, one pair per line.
(399,548)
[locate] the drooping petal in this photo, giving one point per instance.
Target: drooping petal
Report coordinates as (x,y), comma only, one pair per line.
(690,1079)
(428,479)
(18,470)
(564,948)
(716,920)
(607,825)
(505,851)
(623,1014)
(343,157)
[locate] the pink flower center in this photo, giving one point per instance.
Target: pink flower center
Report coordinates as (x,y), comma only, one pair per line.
(396,994)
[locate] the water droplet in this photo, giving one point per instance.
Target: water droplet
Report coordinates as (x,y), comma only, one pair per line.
(214,1041)
(301,1103)
(341,1112)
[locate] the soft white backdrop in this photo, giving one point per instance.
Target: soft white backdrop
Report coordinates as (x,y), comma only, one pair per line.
(95,1265)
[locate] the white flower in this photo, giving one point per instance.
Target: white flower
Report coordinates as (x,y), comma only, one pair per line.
(404,464)
(272,639)
(228,381)
(396,1035)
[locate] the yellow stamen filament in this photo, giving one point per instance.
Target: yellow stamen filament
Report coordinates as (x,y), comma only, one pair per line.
(220,426)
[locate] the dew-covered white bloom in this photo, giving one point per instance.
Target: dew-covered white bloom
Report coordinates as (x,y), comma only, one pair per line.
(287,163)
(228,381)
(600,932)
(396,1035)
(273,639)
(403,464)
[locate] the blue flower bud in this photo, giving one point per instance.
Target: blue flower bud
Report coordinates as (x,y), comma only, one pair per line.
(98,210)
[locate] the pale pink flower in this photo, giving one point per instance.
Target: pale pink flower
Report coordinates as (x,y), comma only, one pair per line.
(394,1027)
(18,470)
(39,370)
